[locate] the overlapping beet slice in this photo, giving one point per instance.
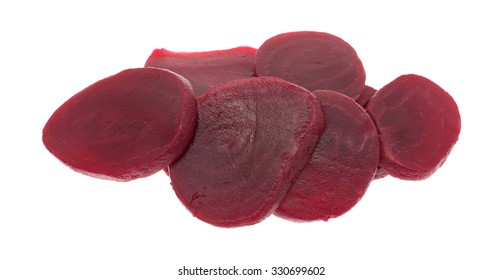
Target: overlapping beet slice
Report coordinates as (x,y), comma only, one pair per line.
(314,60)
(126,126)
(252,138)
(341,167)
(418,123)
(206,69)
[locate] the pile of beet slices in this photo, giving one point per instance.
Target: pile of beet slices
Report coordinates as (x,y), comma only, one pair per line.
(288,129)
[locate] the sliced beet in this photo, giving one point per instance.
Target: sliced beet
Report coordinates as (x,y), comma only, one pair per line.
(365,95)
(252,138)
(341,166)
(314,60)
(418,123)
(126,126)
(206,69)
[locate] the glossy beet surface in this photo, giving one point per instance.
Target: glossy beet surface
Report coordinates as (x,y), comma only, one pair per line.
(126,126)
(207,69)
(341,167)
(314,60)
(252,138)
(418,124)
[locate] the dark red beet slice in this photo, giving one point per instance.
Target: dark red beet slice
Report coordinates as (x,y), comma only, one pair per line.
(365,95)
(418,123)
(126,126)
(206,69)
(252,138)
(314,60)
(341,166)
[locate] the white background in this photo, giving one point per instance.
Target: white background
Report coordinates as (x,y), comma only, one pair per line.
(58,224)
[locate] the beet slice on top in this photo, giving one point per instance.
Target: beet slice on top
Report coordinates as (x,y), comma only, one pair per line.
(206,69)
(314,60)
(418,124)
(126,126)
(341,167)
(252,138)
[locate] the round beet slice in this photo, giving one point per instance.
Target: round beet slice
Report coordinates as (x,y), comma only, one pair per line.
(252,138)
(126,126)
(314,60)
(341,167)
(418,123)
(206,69)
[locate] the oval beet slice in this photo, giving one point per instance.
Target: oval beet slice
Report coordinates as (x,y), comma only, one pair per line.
(314,60)
(207,69)
(341,166)
(418,123)
(252,138)
(126,126)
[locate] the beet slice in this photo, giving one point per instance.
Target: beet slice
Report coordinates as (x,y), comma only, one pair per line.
(126,126)
(314,60)
(206,69)
(341,167)
(418,123)
(252,138)
(365,95)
